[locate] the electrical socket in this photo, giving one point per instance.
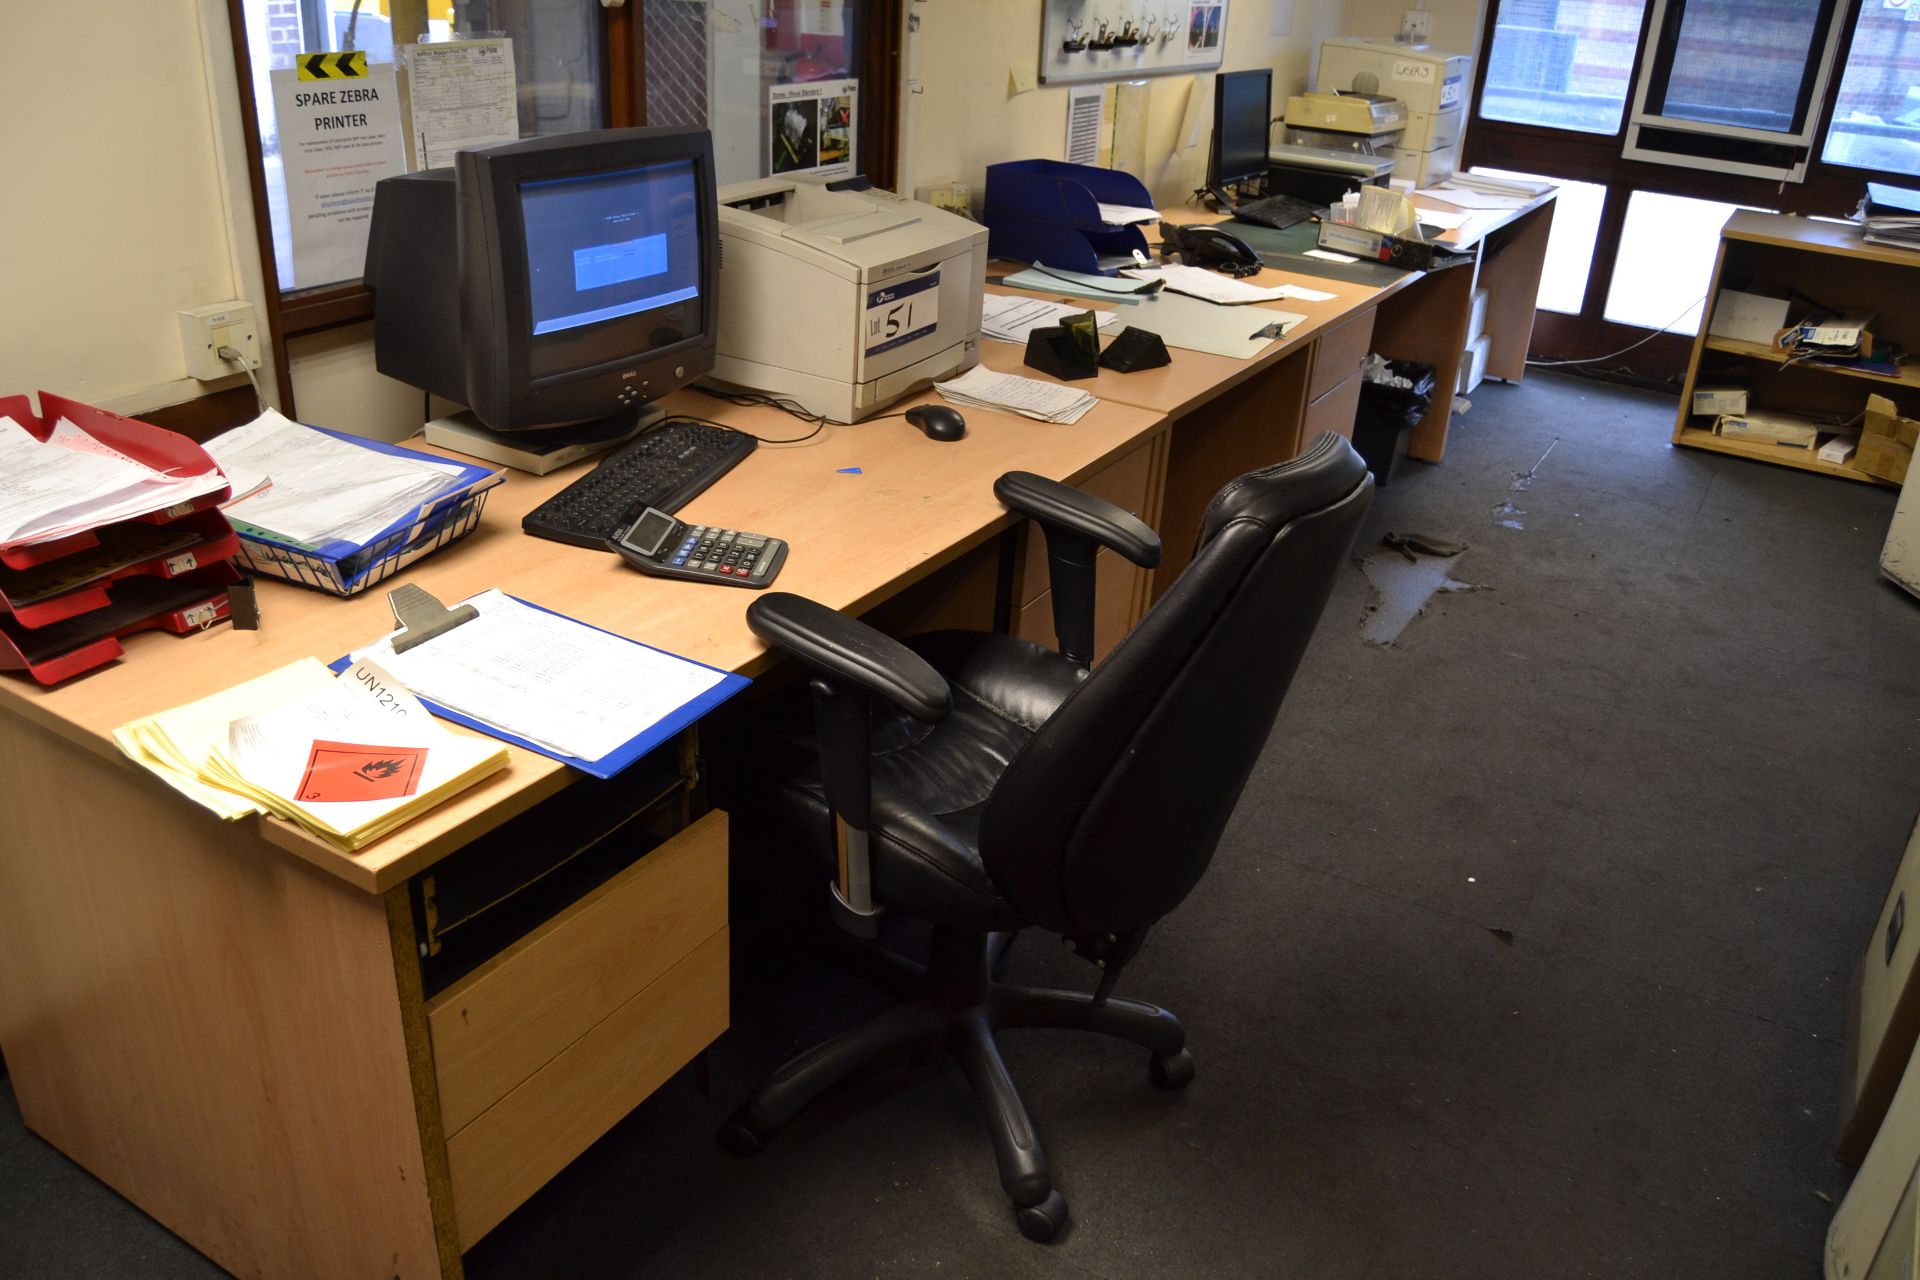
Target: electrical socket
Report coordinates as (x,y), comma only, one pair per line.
(1413,25)
(204,330)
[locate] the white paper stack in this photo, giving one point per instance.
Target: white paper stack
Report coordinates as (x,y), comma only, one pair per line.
(982,388)
(324,489)
(1010,319)
(74,482)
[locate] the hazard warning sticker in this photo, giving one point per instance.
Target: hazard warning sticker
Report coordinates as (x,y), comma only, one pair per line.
(340,772)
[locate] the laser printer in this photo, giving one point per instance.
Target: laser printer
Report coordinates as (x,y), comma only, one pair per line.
(1434,86)
(843,300)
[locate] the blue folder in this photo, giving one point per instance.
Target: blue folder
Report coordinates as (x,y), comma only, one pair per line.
(640,744)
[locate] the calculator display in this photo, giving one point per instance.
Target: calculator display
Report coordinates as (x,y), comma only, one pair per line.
(649,531)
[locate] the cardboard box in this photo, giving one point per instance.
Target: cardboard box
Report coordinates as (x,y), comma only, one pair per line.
(1715,401)
(1883,1010)
(1473,364)
(1886,441)
(1759,427)
(1747,317)
(1839,450)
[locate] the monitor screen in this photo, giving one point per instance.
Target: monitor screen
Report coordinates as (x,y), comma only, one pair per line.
(608,245)
(1242,115)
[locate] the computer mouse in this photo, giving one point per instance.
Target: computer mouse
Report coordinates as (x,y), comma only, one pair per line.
(939,421)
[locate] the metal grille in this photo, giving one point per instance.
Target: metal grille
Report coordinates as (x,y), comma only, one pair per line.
(676,62)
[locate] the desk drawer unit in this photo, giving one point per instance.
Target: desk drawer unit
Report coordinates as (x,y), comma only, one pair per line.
(543,1048)
(1334,411)
(1337,354)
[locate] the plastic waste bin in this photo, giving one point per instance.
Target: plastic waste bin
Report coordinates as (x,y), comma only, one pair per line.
(1394,395)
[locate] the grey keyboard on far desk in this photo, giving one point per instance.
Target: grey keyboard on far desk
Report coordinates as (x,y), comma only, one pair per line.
(1278,212)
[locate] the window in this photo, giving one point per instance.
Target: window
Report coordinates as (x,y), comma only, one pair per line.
(1570,245)
(1565,64)
(1876,115)
(556,53)
(1665,261)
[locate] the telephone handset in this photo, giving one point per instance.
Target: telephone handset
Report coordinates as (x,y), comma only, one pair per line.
(1210,247)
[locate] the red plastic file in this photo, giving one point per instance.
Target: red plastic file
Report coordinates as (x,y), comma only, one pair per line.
(157,447)
(50,654)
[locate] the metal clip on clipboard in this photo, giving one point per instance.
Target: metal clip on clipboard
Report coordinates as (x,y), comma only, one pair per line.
(421,616)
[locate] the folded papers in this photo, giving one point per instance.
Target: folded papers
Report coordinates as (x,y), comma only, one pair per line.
(350,758)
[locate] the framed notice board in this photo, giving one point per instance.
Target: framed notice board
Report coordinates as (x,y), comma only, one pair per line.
(1083,40)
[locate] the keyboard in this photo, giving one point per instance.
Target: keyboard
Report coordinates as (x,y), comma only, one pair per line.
(1278,212)
(663,468)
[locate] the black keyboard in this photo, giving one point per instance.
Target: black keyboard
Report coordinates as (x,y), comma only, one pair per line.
(1278,212)
(663,469)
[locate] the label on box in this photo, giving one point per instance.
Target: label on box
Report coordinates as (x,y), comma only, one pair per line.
(181,563)
(898,314)
(1716,400)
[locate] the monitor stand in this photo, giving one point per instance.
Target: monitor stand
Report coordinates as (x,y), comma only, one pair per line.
(538,452)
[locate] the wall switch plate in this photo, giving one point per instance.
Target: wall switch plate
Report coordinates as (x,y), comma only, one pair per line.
(1413,25)
(204,330)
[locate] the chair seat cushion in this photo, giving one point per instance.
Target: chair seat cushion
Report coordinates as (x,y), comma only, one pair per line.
(930,781)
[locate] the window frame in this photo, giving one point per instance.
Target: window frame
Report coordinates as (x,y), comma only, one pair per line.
(1827,190)
(623,88)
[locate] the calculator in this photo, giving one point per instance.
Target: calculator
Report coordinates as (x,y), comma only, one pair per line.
(662,545)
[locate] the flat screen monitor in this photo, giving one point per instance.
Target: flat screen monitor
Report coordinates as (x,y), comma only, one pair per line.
(1242,116)
(550,283)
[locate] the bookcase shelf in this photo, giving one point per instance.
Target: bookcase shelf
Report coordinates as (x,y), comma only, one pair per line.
(1822,260)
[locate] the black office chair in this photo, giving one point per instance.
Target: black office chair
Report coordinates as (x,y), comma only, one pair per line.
(986,784)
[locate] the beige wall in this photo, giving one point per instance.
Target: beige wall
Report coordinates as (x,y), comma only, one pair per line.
(1452,25)
(963,117)
(122,207)
(134,205)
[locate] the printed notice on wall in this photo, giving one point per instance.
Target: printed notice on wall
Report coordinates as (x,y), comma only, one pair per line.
(1206,22)
(339,122)
(1085,104)
(463,95)
(810,127)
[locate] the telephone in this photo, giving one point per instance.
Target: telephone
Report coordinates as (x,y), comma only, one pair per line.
(1209,247)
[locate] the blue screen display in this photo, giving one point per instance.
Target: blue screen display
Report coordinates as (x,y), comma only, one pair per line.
(610,244)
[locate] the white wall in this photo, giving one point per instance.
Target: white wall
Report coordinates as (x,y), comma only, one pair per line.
(964,118)
(122,209)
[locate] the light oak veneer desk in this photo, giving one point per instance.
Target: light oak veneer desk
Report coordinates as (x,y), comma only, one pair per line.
(226,1022)
(1230,416)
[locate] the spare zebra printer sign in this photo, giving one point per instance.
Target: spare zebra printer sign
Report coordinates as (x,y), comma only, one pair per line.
(338,118)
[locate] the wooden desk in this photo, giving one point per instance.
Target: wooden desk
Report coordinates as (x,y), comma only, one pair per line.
(1425,316)
(226,1022)
(1232,416)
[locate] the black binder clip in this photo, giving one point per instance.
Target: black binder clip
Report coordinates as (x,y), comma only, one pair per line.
(1133,350)
(1069,350)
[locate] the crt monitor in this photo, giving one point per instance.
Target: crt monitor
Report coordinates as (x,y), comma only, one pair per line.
(1242,117)
(559,282)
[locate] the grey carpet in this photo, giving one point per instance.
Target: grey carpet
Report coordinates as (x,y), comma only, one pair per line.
(1526,953)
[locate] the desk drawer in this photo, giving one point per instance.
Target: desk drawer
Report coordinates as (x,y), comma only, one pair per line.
(497,1026)
(521,1141)
(1337,353)
(1333,411)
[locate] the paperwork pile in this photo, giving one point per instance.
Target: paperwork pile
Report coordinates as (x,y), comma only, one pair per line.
(73,482)
(559,686)
(324,490)
(350,758)
(980,387)
(1009,319)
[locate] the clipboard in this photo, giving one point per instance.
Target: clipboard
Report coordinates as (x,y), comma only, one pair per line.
(422,617)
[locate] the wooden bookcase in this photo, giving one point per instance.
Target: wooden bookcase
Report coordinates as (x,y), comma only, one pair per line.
(1827,262)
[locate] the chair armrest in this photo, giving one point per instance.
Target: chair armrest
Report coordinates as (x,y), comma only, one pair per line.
(1055,505)
(1077,526)
(846,649)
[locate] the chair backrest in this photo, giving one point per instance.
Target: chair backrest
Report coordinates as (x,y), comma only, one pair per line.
(1109,815)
